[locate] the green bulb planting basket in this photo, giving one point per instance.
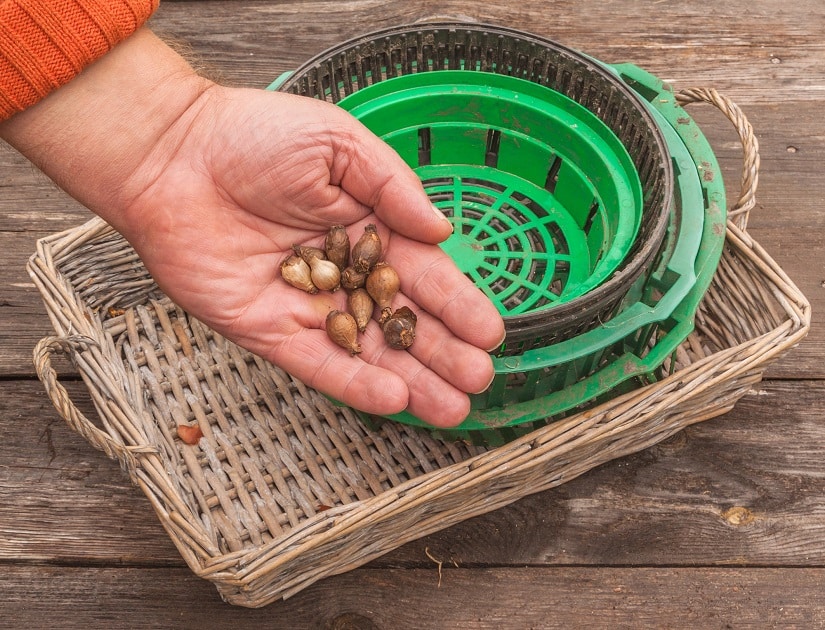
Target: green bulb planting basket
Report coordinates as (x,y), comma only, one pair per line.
(286,488)
(585,203)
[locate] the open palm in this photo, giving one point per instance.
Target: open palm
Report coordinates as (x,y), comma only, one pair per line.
(250,174)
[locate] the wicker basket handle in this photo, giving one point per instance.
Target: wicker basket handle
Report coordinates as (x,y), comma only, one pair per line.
(61,400)
(738,213)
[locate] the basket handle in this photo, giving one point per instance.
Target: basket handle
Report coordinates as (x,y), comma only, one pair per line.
(61,400)
(750,146)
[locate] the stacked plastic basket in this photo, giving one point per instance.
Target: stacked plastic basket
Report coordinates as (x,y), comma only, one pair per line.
(585,202)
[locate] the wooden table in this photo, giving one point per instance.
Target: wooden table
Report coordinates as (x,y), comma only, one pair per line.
(650,539)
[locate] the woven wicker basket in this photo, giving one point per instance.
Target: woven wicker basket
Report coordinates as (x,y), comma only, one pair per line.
(285,488)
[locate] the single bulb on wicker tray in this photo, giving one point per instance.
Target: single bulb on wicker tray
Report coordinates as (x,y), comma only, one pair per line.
(343,330)
(383,284)
(336,246)
(367,250)
(399,328)
(297,273)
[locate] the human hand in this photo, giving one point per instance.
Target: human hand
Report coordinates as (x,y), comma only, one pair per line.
(254,172)
(213,186)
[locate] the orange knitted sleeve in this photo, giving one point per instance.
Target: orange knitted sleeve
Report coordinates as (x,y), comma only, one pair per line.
(45,43)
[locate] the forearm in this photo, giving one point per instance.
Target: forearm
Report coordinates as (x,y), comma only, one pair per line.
(103,136)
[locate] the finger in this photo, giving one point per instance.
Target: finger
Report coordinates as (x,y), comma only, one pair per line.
(432,399)
(430,278)
(375,175)
(463,365)
(379,380)
(310,356)
(305,350)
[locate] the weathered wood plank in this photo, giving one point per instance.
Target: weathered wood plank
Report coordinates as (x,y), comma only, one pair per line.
(745,489)
(64,501)
(379,599)
(732,46)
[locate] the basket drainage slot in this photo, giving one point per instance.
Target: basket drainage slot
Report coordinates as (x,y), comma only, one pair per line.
(493,144)
(424,146)
(553,175)
(588,222)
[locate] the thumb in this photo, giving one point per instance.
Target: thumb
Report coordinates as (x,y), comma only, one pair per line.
(376,176)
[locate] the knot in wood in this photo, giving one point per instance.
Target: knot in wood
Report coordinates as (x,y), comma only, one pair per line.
(350,621)
(738,516)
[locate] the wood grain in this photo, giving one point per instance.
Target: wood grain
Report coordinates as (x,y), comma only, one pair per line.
(733,46)
(384,599)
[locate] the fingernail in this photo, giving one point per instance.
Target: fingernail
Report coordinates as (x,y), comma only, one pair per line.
(498,345)
(439,213)
(486,387)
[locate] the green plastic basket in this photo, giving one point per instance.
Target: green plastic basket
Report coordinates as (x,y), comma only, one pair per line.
(492,128)
(638,345)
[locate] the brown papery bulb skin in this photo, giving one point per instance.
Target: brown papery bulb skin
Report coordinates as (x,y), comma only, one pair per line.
(297,273)
(336,246)
(367,250)
(383,284)
(307,252)
(343,330)
(325,274)
(351,279)
(360,306)
(399,329)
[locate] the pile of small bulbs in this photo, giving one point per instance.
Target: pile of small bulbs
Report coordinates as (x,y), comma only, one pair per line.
(368,280)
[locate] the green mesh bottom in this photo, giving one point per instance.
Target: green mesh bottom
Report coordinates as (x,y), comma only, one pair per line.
(511,237)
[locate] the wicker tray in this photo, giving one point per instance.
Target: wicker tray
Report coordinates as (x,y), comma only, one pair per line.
(285,488)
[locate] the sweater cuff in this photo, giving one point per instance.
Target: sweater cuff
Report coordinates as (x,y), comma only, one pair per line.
(46,43)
